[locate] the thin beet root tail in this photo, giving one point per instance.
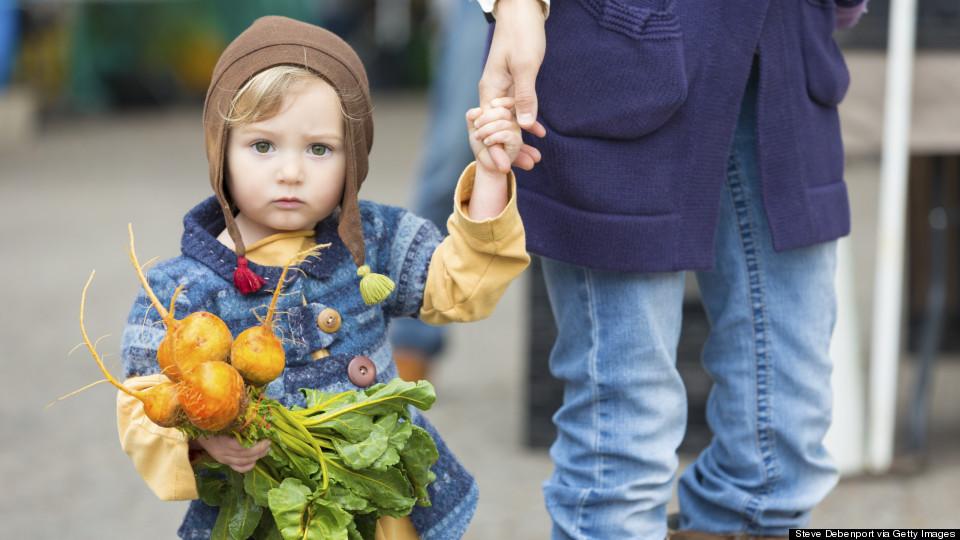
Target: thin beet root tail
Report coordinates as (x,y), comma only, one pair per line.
(165,315)
(93,350)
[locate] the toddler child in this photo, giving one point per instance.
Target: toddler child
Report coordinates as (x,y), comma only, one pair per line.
(288,129)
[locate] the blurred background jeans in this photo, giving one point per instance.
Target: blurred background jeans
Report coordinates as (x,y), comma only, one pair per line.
(458,64)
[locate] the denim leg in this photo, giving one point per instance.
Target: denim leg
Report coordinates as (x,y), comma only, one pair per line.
(624,407)
(445,149)
(772,316)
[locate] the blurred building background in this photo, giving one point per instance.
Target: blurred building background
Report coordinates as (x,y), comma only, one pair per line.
(100,126)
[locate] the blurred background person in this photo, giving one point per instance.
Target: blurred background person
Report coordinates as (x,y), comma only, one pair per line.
(458,61)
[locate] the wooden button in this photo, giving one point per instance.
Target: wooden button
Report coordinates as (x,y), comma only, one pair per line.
(329,320)
(319,354)
(361,371)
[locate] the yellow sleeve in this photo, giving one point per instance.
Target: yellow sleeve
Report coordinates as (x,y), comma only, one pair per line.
(471,268)
(160,455)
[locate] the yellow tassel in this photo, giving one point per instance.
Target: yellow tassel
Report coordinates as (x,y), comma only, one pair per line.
(374,288)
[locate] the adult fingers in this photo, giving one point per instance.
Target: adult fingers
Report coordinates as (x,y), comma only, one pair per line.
(524,161)
(496,80)
(525,93)
(527,158)
(532,152)
(536,129)
(508,103)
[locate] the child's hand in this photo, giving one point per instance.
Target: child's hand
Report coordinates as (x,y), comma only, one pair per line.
(227,450)
(497,125)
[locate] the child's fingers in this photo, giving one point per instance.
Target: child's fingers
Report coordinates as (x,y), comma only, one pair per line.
(473,114)
(486,160)
(500,158)
(489,129)
(244,468)
(501,137)
(506,102)
(261,448)
(490,115)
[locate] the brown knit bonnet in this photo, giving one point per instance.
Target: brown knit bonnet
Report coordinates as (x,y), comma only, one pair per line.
(274,41)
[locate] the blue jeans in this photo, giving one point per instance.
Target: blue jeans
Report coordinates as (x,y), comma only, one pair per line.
(446,149)
(624,405)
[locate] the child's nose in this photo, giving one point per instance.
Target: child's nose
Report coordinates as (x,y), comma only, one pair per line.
(292,169)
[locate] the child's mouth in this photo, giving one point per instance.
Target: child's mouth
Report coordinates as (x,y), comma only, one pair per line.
(288,203)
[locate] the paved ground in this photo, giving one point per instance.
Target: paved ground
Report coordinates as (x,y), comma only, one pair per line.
(66,200)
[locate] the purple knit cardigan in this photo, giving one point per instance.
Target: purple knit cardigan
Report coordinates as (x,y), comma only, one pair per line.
(640,99)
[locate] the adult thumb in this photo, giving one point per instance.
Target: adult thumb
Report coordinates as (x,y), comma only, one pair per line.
(525,98)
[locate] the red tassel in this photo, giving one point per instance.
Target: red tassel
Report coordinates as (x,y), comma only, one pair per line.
(246,280)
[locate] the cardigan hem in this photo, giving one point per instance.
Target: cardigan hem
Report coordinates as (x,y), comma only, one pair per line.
(597,240)
(646,243)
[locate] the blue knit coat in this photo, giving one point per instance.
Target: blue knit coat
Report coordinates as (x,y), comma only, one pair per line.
(398,243)
(640,99)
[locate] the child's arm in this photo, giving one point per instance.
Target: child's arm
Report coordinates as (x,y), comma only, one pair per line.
(494,126)
(160,455)
(486,248)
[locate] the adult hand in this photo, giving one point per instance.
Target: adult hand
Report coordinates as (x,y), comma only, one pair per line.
(516,53)
(496,127)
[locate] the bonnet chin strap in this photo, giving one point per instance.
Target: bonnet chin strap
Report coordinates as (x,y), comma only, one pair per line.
(374,287)
(244,279)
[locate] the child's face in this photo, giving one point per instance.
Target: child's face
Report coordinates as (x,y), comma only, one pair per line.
(286,173)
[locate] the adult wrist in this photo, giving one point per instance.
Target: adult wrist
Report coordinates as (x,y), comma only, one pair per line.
(495,7)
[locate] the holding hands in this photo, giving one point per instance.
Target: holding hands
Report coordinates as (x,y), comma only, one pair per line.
(497,125)
(495,129)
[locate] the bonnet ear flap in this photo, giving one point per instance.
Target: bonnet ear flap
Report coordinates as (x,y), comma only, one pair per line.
(374,287)
(245,279)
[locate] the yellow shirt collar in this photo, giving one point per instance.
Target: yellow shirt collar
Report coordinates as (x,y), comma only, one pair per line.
(277,249)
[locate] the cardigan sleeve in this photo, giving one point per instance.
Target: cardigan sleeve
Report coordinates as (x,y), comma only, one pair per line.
(471,269)
(849,13)
(160,455)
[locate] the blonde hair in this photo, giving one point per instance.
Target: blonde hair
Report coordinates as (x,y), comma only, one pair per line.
(261,97)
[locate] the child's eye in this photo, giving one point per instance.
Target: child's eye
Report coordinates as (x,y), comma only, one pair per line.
(262,147)
(319,149)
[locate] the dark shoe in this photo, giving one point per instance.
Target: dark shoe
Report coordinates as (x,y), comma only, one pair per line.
(673,533)
(698,535)
(412,365)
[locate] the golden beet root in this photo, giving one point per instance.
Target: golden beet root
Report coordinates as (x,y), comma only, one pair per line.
(161,405)
(258,355)
(211,395)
